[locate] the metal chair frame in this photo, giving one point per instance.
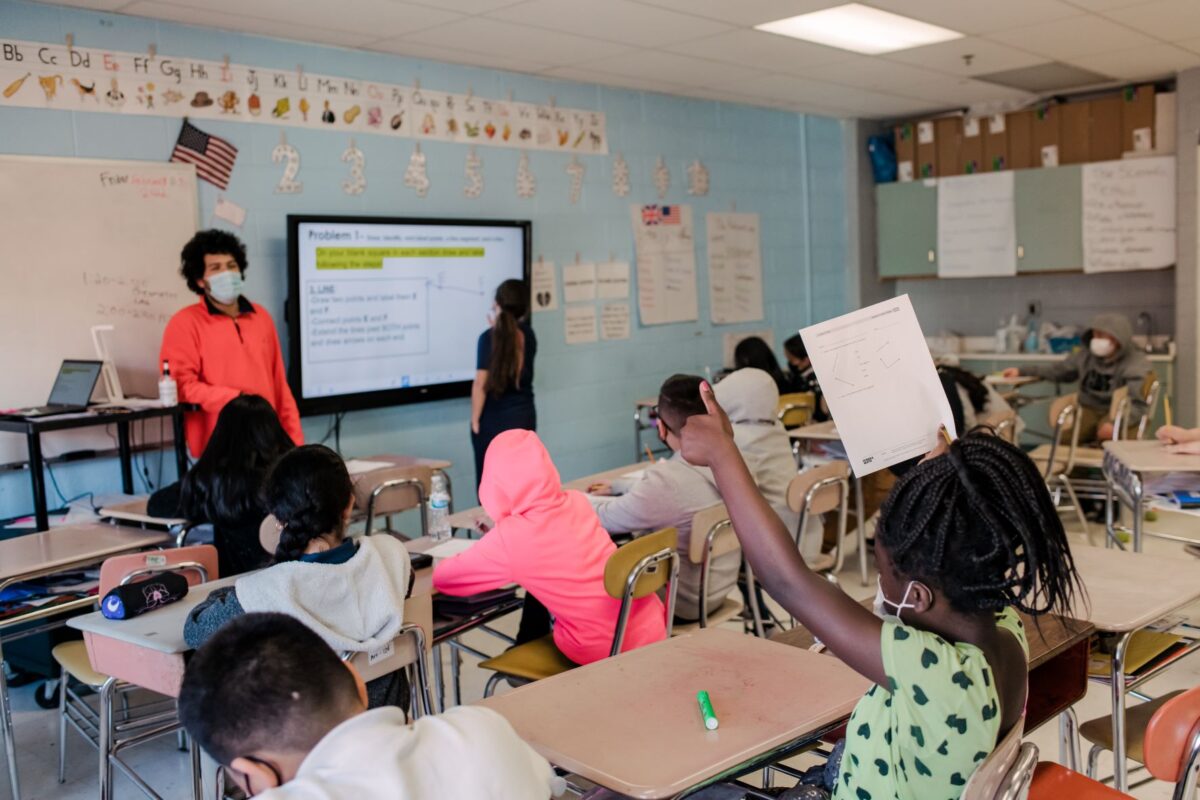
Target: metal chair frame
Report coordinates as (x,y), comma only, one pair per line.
(413,483)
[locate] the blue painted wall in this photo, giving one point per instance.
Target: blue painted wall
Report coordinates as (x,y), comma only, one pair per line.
(787,167)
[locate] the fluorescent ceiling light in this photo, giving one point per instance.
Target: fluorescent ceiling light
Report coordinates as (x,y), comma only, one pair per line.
(860,28)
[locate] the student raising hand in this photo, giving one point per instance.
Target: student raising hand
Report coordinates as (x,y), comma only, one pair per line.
(710,436)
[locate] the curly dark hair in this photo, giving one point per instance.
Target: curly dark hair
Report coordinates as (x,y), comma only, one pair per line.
(979,524)
(209,243)
(307,490)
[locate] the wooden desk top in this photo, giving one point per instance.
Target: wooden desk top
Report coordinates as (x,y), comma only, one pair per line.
(408,461)
(70,545)
(816,432)
(1048,636)
(1127,591)
(135,511)
(632,723)
(1150,456)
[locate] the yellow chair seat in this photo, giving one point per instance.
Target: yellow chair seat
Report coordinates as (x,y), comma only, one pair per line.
(73,658)
(531,661)
(1040,454)
(1099,730)
(730,609)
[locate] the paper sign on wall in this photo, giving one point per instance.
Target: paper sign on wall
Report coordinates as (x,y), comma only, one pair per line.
(579,283)
(735,292)
(579,323)
(612,280)
(614,321)
(977,226)
(230,211)
(880,382)
(544,286)
(666,263)
(1129,214)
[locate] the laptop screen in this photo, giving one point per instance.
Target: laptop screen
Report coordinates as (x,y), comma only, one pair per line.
(74,384)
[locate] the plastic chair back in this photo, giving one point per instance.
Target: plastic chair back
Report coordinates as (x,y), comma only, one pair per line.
(638,569)
(393,490)
(406,650)
(820,489)
(1063,413)
(1003,422)
(991,777)
(1172,742)
(197,563)
(796,408)
(1151,393)
(712,536)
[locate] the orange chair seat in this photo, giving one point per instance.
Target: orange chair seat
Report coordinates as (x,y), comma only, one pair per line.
(1053,781)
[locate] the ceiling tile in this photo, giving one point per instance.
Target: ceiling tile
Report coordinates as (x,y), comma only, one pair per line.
(744,12)
(493,37)
(671,68)
(979,16)
(417,49)
(1077,36)
(242,24)
(468,6)
(97,5)
(1169,20)
(951,57)
(756,49)
(1102,5)
(1192,45)
(1140,63)
(642,83)
(616,20)
(380,18)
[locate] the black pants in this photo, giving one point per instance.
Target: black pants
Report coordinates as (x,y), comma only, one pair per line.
(494,422)
(535,621)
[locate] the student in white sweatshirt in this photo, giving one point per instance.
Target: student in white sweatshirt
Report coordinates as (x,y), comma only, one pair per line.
(349,591)
(266,698)
(668,494)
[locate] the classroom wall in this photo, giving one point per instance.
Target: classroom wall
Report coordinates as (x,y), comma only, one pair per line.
(787,167)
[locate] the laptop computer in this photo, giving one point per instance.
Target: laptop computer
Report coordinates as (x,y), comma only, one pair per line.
(72,389)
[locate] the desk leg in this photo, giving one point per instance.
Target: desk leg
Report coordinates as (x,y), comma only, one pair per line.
(37,480)
(105,738)
(1139,514)
(1110,531)
(860,505)
(10,745)
(1068,739)
(439,678)
(181,461)
(126,453)
(637,434)
(1120,774)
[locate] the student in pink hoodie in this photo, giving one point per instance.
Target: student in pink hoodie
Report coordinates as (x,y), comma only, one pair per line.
(550,542)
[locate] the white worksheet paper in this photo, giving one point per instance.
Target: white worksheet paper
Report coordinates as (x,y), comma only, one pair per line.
(579,283)
(544,286)
(879,380)
(665,245)
(579,324)
(612,280)
(735,285)
(977,226)
(614,321)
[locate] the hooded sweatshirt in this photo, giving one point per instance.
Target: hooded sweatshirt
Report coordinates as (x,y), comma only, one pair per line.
(1100,378)
(750,399)
(466,752)
(549,541)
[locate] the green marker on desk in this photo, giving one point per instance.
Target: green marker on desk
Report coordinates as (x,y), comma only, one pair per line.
(706,711)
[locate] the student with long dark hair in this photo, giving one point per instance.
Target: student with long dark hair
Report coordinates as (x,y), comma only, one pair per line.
(753,352)
(502,395)
(223,487)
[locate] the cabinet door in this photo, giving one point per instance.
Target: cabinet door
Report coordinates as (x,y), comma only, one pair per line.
(1049,212)
(907,226)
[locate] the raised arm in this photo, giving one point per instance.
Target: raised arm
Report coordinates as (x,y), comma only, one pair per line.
(849,630)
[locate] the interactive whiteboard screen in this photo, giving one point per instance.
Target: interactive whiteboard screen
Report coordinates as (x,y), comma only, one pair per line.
(389,311)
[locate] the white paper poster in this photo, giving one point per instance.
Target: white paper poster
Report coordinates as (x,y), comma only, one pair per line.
(544,286)
(735,292)
(579,323)
(579,283)
(614,321)
(612,280)
(666,263)
(977,226)
(1129,214)
(230,211)
(880,382)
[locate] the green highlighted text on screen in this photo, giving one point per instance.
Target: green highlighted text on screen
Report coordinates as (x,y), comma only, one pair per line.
(372,257)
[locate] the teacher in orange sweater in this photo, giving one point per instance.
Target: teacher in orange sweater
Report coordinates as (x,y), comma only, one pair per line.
(224,345)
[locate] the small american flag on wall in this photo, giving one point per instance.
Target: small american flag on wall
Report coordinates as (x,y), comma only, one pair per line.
(662,215)
(212,155)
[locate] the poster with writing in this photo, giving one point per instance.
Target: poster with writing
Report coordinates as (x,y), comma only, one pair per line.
(1129,214)
(579,324)
(544,286)
(612,280)
(614,321)
(977,226)
(579,283)
(665,246)
(735,291)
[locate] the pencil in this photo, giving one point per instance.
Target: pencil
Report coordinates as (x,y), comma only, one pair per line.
(946,435)
(649,455)
(1167,407)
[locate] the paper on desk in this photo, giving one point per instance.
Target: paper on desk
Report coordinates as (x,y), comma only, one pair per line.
(357,466)
(451,548)
(878,378)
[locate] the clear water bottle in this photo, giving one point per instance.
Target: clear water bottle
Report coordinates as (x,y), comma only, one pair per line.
(439,509)
(168,392)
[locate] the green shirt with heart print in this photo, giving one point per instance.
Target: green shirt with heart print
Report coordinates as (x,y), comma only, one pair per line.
(921,737)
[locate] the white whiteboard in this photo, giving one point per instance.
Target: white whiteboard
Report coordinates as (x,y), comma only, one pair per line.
(976,226)
(1129,214)
(88,242)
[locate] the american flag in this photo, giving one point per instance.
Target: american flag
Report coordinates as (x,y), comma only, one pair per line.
(212,155)
(671,215)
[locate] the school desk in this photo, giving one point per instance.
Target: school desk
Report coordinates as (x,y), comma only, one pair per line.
(1126,592)
(632,724)
(37,555)
(1126,465)
(34,428)
(827,432)
(134,512)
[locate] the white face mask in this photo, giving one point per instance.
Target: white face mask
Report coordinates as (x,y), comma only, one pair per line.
(225,287)
(881,603)
(1101,348)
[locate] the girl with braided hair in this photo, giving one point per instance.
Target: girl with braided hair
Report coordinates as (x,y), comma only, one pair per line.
(966,538)
(350,592)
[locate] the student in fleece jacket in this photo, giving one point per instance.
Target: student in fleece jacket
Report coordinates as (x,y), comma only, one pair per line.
(548,541)
(224,345)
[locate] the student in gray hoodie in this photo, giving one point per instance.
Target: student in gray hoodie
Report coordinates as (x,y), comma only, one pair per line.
(668,494)
(1107,362)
